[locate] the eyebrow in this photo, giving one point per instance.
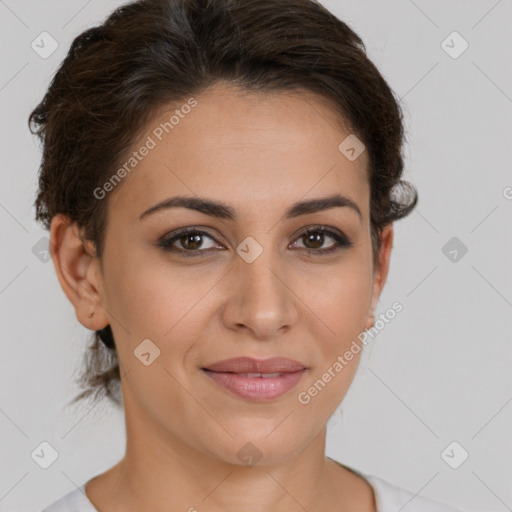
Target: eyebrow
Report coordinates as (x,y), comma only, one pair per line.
(224,211)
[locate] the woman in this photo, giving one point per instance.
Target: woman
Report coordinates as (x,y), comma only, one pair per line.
(220,181)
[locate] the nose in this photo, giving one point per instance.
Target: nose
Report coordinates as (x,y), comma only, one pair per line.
(261,300)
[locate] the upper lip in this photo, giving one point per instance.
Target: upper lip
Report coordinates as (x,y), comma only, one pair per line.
(250,365)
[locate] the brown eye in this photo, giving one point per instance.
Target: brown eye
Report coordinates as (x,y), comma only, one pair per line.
(189,242)
(313,240)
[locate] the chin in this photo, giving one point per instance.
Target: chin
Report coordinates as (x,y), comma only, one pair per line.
(271,444)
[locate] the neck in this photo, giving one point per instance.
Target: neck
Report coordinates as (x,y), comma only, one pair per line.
(160,472)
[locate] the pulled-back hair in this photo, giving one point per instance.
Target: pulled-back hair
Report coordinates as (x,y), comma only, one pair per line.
(149,53)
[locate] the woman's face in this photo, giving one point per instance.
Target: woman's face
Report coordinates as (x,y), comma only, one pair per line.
(248,286)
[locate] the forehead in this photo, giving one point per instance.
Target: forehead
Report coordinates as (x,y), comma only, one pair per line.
(248,149)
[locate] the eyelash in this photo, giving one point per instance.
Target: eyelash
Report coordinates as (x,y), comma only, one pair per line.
(341,242)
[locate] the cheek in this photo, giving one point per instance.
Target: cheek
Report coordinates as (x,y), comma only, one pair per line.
(341,302)
(168,305)
(340,297)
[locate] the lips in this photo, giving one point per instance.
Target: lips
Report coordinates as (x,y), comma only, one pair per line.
(256,380)
(249,365)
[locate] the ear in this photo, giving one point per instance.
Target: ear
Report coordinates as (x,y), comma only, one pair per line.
(78,271)
(380,272)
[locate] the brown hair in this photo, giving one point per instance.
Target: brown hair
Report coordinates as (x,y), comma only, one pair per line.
(151,52)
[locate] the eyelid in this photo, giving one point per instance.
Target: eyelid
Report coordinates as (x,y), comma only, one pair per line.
(166,241)
(319,227)
(169,238)
(342,241)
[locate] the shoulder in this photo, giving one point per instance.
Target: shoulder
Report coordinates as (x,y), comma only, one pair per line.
(74,501)
(390,498)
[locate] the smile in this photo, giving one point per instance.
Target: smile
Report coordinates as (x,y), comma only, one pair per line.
(256,387)
(256,380)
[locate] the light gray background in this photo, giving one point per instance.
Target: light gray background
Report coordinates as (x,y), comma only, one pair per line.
(439,372)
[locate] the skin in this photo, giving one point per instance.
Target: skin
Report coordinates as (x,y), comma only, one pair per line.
(259,154)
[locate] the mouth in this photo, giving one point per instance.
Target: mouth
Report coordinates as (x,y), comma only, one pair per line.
(256,380)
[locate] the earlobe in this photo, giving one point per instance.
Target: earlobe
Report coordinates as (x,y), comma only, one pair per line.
(370,321)
(74,261)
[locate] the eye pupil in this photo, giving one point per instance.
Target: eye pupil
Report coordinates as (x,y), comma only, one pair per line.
(195,240)
(316,237)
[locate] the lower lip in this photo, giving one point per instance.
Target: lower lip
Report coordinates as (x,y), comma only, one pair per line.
(256,389)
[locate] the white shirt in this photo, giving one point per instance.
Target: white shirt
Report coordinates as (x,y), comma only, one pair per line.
(388,498)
